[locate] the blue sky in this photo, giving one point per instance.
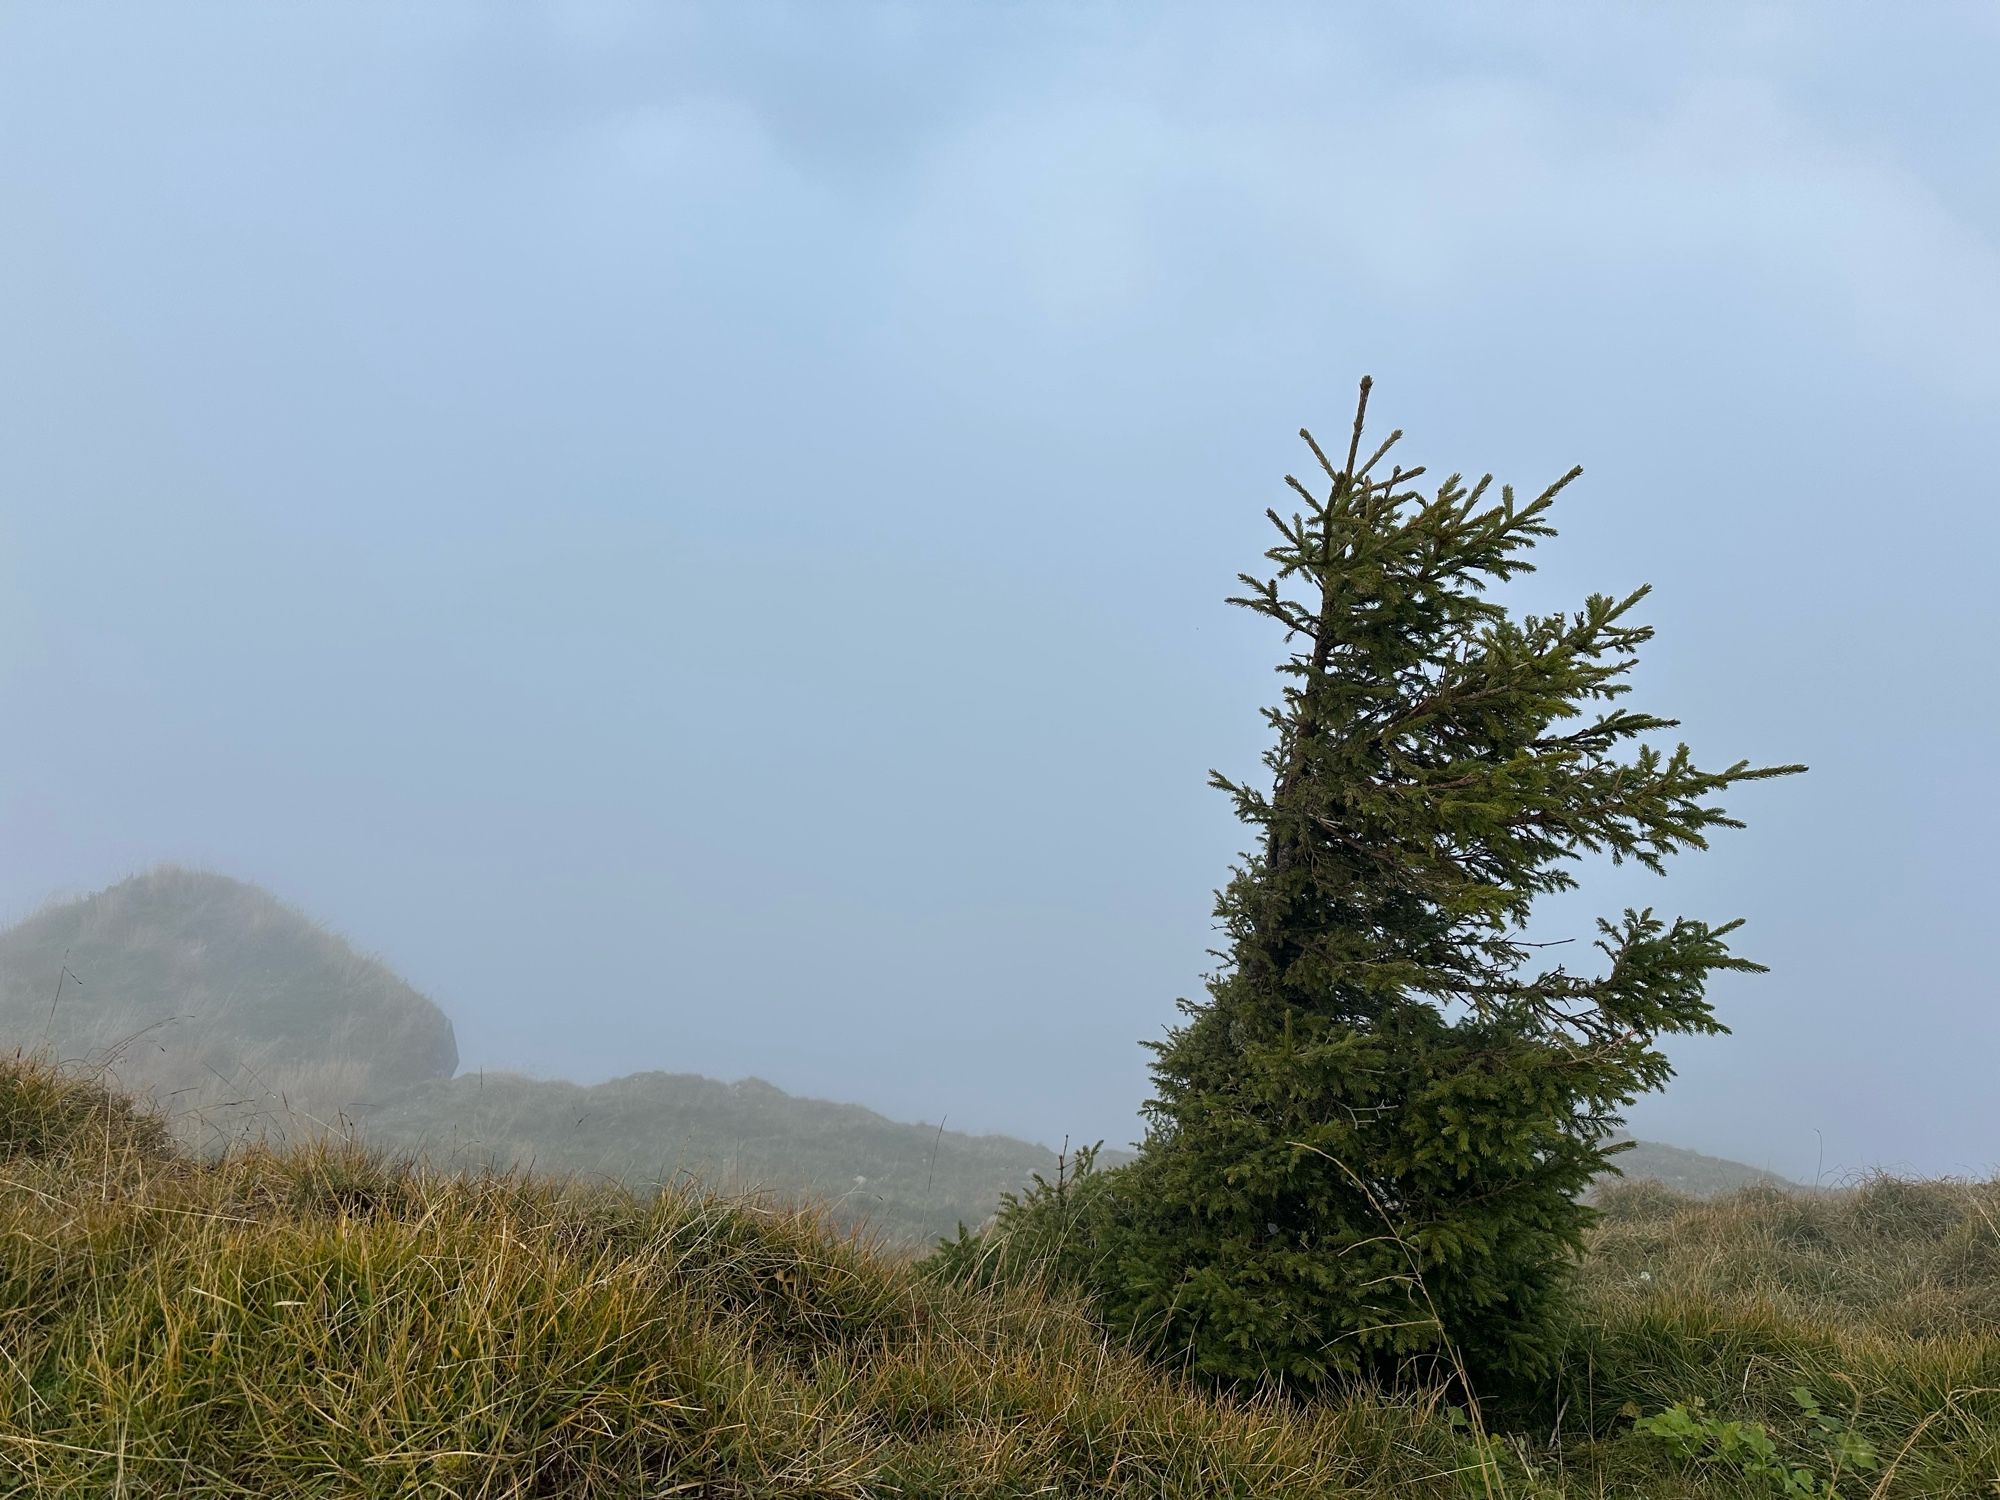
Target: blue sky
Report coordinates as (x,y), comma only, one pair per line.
(698,532)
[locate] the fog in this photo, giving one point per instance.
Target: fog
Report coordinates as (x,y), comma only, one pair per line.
(698,534)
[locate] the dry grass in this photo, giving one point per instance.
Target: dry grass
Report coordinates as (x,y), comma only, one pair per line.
(1883,1300)
(324,1322)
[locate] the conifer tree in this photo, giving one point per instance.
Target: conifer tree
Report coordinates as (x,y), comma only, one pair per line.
(1367,1144)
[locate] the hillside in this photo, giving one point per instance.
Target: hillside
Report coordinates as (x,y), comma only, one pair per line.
(1689,1172)
(217,1000)
(912,1182)
(316,1321)
(240,1016)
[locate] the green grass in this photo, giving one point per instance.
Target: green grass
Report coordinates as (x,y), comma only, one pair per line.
(323,1321)
(1882,1300)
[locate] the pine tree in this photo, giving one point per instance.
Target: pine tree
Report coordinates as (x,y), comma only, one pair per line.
(1367,1144)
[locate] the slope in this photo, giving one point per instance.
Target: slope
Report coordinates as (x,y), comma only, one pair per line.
(316,1321)
(910,1182)
(217,1000)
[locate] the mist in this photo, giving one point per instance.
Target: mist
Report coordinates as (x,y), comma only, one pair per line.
(698,534)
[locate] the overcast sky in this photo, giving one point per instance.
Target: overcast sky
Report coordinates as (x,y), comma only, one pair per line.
(698,533)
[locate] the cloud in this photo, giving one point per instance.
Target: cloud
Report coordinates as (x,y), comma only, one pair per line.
(1098,202)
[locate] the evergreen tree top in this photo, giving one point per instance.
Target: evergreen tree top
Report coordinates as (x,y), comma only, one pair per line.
(1439,763)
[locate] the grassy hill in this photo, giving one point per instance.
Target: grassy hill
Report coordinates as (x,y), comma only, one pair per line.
(1689,1172)
(911,1182)
(241,1017)
(215,999)
(319,1322)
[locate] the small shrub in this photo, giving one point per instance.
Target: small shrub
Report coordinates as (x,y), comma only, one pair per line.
(1055,1233)
(1694,1434)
